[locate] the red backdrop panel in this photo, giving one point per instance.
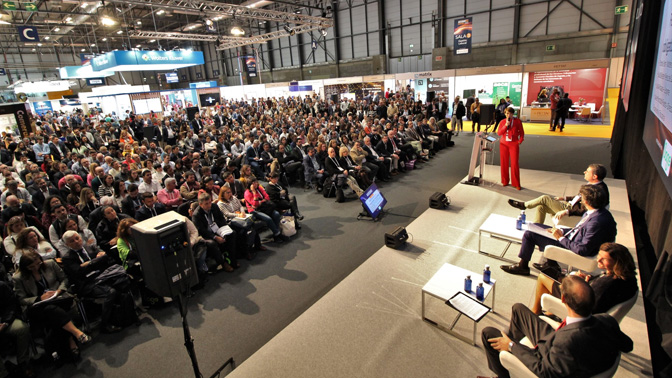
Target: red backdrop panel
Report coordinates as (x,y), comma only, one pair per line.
(587,83)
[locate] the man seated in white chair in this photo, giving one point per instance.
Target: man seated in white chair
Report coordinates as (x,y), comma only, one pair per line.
(582,346)
(597,226)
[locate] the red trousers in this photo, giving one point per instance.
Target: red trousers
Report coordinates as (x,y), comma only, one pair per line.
(509,150)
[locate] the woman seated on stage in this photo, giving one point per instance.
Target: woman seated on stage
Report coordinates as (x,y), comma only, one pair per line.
(617,284)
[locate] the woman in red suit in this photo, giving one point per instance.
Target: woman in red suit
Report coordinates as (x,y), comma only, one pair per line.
(511,135)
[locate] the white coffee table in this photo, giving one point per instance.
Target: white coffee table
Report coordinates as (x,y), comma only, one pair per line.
(502,228)
(447,282)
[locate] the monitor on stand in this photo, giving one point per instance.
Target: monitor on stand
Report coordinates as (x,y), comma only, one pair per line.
(373,203)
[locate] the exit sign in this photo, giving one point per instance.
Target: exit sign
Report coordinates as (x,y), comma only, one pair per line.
(550,47)
(621,9)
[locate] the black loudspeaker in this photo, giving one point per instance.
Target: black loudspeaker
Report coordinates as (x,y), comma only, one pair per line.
(191,111)
(149,132)
(165,254)
(438,201)
(430,96)
(334,98)
(487,114)
(397,238)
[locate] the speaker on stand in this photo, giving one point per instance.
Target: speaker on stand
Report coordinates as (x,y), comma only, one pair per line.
(168,267)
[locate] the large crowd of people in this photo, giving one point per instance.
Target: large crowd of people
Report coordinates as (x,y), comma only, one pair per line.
(74,187)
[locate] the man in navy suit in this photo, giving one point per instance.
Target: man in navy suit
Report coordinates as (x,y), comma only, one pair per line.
(597,226)
(583,345)
(57,148)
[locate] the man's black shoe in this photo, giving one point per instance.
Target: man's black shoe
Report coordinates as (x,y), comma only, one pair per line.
(516,269)
(517,204)
(547,265)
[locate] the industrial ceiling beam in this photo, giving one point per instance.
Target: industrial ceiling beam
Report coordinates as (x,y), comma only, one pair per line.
(212,9)
(243,41)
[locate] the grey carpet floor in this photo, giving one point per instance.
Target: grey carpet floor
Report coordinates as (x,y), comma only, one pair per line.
(237,313)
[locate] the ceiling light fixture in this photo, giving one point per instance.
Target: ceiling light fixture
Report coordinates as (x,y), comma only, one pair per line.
(39,45)
(289,30)
(152,40)
(138,22)
(323,31)
(104,39)
(107,21)
(160,12)
(138,46)
(82,50)
(237,31)
(208,22)
(47,38)
(68,19)
(93,44)
(57,29)
(119,31)
(5,18)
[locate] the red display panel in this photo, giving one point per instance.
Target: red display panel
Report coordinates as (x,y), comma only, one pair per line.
(582,83)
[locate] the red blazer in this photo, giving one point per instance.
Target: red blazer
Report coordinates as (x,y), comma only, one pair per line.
(515,132)
(253,200)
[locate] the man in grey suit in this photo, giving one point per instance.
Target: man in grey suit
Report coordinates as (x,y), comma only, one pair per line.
(583,345)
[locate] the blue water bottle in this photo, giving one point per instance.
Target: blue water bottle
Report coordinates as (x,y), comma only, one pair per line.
(486,274)
(467,284)
(480,291)
(519,223)
(522,216)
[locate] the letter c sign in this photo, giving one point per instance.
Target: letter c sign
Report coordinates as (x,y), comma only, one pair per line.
(28,34)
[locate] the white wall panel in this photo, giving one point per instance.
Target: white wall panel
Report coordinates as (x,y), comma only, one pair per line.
(346,47)
(530,15)
(392,12)
(454,8)
(410,9)
(502,25)
(372,15)
(358,20)
(565,18)
(374,44)
(427,38)
(411,36)
(394,44)
(479,5)
(602,11)
(480,31)
(343,21)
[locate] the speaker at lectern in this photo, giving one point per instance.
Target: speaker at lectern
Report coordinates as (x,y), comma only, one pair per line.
(165,254)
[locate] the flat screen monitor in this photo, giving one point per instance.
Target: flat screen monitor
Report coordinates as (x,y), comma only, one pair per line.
(373,201)
(171,77)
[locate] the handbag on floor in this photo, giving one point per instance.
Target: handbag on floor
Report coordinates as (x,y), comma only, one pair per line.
(287,226)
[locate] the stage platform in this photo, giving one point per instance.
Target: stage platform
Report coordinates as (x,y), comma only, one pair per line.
(370,324)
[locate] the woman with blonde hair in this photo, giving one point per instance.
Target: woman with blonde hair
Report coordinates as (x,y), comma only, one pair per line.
(87,202)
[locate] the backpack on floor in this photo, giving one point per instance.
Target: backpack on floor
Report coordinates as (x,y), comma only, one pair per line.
(123,311)
(340,196)
(328,189)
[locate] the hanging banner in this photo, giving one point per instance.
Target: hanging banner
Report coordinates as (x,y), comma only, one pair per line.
(146,60)
(28,34)
(251,64)
(95,81)
(462,36)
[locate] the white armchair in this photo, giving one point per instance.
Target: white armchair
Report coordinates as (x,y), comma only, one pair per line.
(571,259)
(518,370)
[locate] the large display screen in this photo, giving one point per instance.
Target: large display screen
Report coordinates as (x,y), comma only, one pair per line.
(658,124)
(373,201)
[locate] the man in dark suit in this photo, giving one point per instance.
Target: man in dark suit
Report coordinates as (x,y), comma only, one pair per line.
(83,269)
(197,123)
(597,226)
(132,202)
(254,159)
(150,208)
(559,206)
(40,190)
(57,148)
(313,169)
(280,196)
(385,149)
(584,345)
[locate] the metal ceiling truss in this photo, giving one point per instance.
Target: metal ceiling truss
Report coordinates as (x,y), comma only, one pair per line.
(211,9)
(231,43)
(173,36)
